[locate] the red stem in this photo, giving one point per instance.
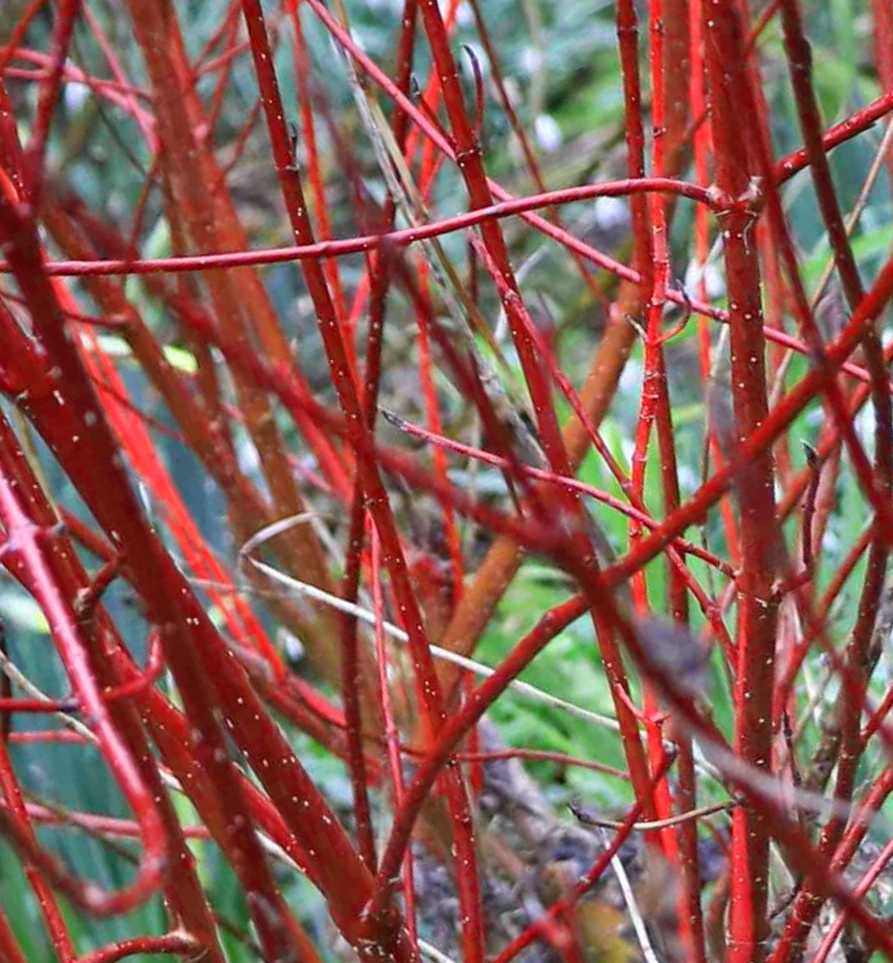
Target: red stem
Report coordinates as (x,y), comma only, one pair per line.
(380,910)
(35,151)
(757,602)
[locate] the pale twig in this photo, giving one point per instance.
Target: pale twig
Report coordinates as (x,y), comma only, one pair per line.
(650,825)
(399,635)
(434,953)
(635,913)
(167,777)
(20,679)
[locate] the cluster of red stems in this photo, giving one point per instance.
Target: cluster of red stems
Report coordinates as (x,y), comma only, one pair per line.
(709,121)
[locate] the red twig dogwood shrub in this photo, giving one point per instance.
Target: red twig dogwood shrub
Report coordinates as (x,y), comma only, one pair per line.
(271,477)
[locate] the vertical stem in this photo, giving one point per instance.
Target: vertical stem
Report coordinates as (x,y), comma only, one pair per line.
(369,477)
(757,605)
(670,95)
